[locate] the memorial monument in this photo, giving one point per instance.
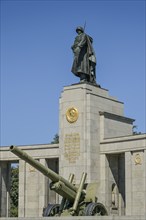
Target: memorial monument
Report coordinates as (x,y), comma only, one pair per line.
(95,138)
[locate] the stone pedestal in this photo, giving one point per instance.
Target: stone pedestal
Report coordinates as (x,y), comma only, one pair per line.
(82,109)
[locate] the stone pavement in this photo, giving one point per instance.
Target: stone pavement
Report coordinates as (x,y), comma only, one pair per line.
(82,218)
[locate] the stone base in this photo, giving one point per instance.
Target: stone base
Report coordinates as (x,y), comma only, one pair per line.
(84,218)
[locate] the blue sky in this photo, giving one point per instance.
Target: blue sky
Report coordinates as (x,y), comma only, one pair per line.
(36,59)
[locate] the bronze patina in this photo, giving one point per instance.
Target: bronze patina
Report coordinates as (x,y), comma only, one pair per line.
(84,62)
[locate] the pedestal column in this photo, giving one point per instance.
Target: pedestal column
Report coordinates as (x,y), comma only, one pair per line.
(79,135)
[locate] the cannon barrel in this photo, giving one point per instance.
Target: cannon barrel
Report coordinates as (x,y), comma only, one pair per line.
(75,201)
(46,171)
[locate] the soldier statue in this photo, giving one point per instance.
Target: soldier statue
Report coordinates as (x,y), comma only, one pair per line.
(84,57)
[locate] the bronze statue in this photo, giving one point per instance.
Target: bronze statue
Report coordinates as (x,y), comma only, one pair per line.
(84,57)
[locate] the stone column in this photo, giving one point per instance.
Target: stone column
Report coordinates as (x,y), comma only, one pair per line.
(4,188)
(135,183)
(104,190)
(138,182)
(128,179)
(34,192)
(43,189)
(79,135)
(28,190)
(22,188)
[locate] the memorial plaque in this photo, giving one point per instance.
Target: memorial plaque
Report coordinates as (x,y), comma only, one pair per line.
(72,147)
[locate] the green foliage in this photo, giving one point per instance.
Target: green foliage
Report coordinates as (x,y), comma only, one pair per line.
(134,129)
(55,139)
(14,191)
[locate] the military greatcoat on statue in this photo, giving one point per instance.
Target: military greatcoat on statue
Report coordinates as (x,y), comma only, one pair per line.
(84,58)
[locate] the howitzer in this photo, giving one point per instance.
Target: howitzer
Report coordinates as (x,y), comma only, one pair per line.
(76,200)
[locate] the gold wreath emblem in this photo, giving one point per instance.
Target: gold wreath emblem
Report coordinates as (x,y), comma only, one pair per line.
(72,115)
(137,159)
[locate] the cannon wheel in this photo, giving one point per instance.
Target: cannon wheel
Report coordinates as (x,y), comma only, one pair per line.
(94,209)
(51,210)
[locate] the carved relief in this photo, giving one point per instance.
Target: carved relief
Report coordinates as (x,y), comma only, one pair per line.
(114,196)
(32,169)
(137,159)
(72,115)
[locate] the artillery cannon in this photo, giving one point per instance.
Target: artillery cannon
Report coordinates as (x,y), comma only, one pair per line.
(76,200)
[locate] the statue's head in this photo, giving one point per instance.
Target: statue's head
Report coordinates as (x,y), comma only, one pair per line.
(80,29)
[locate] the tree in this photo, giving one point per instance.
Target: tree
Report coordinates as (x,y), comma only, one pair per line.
(134,129)
(14,191)
(55,139)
